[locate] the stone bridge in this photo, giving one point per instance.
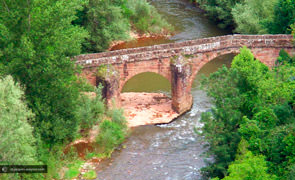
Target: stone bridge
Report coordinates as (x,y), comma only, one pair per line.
(178,62)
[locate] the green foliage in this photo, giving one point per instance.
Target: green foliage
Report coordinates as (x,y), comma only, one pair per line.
(250,15)
(110,136)
(112,133)
(220,10)
(284,58)
(90,175)
(248,166)
(112,20)
(284,17)
(40,41)
(253,103)
(105,23)
(118,117)
(145,17)
(91,109)
(234,93)
(17,143)
(74,170)
(220,126)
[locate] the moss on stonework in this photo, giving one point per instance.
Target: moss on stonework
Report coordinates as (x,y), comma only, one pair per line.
(173,59)
(180,60)
(106,71)
(187,56)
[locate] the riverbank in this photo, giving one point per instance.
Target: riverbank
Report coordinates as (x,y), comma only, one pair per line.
(147,108)
(137,38)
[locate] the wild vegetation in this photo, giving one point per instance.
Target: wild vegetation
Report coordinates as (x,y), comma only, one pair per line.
(111,20)
(252,16)
(250,130)
(44,108)
(42,101)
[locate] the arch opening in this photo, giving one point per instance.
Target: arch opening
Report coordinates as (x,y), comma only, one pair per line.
(149,82)
(146,99)
(213,66)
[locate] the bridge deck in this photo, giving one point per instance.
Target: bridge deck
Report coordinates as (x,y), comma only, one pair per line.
(185,47)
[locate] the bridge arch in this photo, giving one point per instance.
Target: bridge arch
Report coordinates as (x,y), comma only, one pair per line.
(157,59)
(209,57)
(146,82)
(212,66)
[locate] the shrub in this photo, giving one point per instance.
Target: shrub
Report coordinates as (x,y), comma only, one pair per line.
(74,171)
(145,17)
(17,143)
(90,175)
(118,117)
(91,109)
(111,134)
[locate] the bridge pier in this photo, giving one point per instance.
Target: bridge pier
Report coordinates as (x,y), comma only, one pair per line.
(181,96)
(109,78)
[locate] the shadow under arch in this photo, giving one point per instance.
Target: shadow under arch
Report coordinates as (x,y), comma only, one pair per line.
(147,82)
(212,66)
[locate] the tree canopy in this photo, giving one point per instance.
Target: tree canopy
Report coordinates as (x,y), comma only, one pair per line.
(254,103)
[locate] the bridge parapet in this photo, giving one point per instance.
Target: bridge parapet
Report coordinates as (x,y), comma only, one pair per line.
(161,59)
(187,47)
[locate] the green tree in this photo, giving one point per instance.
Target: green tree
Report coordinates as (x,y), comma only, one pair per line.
(284,17)
(145,18)
(37,42)
(235,94)
(253,103)
(250,16)
(17,143)
(220,11)
(248,166)
(112,20)
(105,23)
(91,109)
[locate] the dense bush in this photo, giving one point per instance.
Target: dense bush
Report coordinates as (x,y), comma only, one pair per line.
(37,42)
(220,11)
(105,22)
(91,109)
(14,125)
(111,20)
(255,104)
(38,38)
(110,135)
(284,17)
(252,16)
(248,166)
(17,143)
(145,17)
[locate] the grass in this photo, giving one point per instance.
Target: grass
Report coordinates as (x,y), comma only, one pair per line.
(90,175)
(74,171)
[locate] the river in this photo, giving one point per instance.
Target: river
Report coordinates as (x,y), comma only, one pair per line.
(172,151)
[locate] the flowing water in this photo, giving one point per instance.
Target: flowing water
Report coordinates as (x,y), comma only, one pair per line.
(172,151)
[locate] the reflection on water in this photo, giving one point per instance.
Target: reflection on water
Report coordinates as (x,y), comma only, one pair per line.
(147,82)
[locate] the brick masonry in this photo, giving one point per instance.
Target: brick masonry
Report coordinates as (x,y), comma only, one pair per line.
(159,59)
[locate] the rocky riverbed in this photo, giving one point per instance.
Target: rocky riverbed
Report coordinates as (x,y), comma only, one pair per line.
(147,108)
